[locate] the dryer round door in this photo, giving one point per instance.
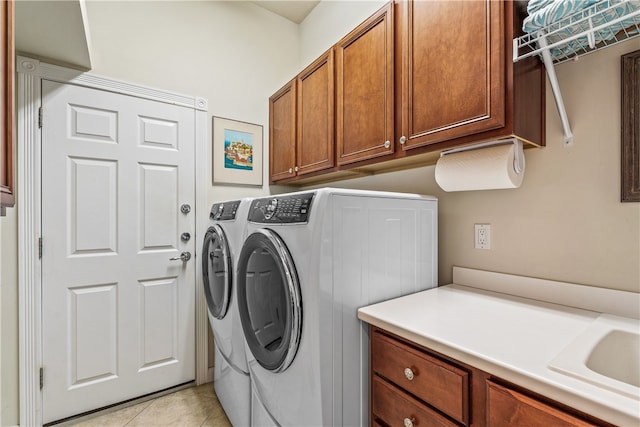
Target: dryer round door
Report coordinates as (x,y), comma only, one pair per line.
(217,271)
(269,300)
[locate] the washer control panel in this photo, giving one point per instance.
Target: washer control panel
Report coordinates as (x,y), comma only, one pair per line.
(224,211)
(281,209)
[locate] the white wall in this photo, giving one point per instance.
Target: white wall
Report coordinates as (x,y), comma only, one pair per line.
(566,221)
(235,54)
(1,311)
(330,21)
(8,320)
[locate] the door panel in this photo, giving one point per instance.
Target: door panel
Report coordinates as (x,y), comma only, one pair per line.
(93,311)
(118,317)
(158,313)
(158,215)
(92,206)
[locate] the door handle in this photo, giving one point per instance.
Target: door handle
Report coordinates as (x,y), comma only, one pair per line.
(184,257)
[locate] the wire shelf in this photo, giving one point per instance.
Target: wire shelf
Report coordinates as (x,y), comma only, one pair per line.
(603,24)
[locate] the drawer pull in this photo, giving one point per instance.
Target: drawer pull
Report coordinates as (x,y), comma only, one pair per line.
(408,372)
(408,422)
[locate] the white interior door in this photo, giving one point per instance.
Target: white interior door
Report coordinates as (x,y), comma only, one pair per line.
(118,316)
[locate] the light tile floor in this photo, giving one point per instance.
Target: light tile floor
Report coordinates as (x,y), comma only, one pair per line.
(195,406)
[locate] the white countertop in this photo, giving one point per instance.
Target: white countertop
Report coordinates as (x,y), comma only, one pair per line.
(509,336)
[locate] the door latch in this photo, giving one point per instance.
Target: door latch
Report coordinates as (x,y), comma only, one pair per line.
(184,257)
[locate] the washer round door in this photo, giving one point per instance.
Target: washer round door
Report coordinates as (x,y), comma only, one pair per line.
(269,300)
(217,271)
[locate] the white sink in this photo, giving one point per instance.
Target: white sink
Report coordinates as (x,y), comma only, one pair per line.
(607,354)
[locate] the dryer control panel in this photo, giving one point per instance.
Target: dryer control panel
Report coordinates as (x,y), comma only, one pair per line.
(225,211)
(281,209)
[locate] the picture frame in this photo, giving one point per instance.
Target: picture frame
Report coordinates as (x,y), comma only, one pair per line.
(630,171)
(237,152)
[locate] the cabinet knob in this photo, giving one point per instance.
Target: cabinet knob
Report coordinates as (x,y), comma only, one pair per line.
(408,372)
(403,139)
(290,170)
(296,169)
(387,144)
(408,422)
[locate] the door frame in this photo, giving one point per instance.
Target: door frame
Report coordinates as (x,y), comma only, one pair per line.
(30,73)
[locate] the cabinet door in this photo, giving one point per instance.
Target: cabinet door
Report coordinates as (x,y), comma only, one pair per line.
(506,407)
(315,148)
(452,68)
(364,90)
(282,132)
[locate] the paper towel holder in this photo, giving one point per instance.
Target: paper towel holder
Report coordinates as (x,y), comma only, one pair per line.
(518,160)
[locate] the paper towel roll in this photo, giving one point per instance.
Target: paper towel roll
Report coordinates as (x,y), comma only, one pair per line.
(480,169)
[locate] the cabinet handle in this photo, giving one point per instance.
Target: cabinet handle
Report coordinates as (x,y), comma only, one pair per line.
(296,169)
(408,422)
(290,170)
(387,144)
(403,139)
(408,372)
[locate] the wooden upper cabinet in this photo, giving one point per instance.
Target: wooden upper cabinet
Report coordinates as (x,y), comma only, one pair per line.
(416,78)
(316,142)
(282,132)
(365,90)
(301,122)
(458,83)
(7,66)
(453,75)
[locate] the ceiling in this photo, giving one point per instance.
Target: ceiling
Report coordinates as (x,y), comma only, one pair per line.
(293,10)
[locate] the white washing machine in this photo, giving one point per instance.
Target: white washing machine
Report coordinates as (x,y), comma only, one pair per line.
(221,247)
(309,261)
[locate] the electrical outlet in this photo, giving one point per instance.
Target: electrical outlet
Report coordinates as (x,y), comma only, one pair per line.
(482,236)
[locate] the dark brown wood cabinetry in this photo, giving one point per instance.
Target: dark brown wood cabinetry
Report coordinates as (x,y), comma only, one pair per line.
(364,83)
(414,386)
(282,132)
(458,81)
(508,407)
(7,66)
(301,124)
(419,77)
(453,79)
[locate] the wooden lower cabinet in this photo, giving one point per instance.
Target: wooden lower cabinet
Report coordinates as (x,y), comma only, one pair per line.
(441,384)
(413,386)
(507,407)
(397,408)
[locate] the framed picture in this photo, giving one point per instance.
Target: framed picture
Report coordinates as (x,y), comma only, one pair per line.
(237,152)
(631,127)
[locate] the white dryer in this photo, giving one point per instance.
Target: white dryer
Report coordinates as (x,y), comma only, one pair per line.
(220,250)
(309,261)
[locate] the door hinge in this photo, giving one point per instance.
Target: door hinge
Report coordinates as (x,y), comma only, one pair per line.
(40,118)
(39,247)
(41,377)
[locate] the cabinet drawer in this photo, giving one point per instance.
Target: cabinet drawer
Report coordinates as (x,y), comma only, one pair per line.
(396,408)
(436,382)
(506,407)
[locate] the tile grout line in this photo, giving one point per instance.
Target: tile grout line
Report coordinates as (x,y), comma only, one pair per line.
(136,415)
